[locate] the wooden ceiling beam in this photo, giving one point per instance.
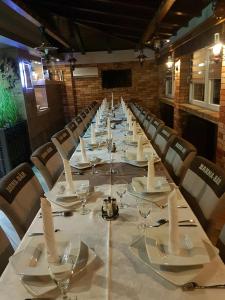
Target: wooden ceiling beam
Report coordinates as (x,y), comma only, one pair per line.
(162,11)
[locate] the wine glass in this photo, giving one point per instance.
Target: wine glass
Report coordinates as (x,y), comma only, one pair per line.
(94,163)
(62,271)
(82,193)
(144,208)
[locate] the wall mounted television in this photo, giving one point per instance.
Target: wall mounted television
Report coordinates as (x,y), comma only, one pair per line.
(116,78)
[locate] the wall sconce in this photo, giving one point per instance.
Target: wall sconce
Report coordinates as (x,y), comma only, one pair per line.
(217,48)
(141,57)
(169,62)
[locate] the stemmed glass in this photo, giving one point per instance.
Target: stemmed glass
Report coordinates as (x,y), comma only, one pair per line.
(94,163)
(82,193)
(62,271)
(109,143)
(144,208)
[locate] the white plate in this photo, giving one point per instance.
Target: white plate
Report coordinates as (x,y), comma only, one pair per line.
(81,166)
(38,286)
(176,275)
(161,185)
(66,199)
(194,252)
(20,261)
(161,198)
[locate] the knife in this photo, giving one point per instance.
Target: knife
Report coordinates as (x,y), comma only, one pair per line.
(36,255)
(187,225)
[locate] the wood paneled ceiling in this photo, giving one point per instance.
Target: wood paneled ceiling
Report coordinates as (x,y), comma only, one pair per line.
(94,25)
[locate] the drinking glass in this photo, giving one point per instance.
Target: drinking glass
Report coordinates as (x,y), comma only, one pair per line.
(94,171)
(144,208)
(82,193)
(62,271)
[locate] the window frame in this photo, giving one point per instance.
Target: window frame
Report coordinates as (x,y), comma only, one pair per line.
(208,89)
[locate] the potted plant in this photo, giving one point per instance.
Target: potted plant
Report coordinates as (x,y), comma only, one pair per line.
(14,139)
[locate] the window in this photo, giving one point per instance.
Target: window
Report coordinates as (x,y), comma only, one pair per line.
(206,79)
(169,88)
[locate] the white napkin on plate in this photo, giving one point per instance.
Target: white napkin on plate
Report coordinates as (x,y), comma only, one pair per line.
(48,228)
(97,119)
(151,173)
(140,151)
(68,175)
(134,131)
(83,151)
(93,136)
(173,242)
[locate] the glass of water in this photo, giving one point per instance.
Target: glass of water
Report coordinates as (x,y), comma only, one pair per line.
(144,208)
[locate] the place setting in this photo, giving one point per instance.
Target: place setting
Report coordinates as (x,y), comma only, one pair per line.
(51,261)
(177,254)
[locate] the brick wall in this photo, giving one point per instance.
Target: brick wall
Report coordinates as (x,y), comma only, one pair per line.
(82,91)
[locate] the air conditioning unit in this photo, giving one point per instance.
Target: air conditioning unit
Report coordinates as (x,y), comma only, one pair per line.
(86,72)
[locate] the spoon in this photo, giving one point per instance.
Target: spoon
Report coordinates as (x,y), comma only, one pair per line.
(40,233)
(163,221)
(191,286)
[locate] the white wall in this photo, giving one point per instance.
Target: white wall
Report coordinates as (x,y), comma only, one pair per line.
(105,57)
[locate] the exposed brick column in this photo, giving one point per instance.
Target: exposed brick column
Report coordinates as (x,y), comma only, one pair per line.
(69,99)
(220,153)
(181,95)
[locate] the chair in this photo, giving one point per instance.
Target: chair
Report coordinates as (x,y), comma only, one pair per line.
(163,138)
(64,143)
(80,125)
(177,157)
(20,193)
(148,118)
(154,125)
(221,244)
(142,117)
(72,128)
(48,161)
(203,186)
(6,251)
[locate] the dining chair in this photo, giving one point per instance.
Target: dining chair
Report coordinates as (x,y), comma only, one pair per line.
(163,138)
(80,125)
(64,143)
(154,125)
(6,251)
(20,193)
(72,128)
(148,119)
(221,243)
(178,157)
(203,187)
(49,163)
(142,117)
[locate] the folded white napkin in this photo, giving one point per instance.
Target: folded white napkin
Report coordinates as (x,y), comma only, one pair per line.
(140,151)
(130,124)
(109,129)
(134,131)
(68,175)
(48,229)
(93,136)
(151,173)
(83,151)
(173,243)
(97,119)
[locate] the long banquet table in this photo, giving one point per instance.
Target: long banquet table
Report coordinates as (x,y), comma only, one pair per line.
(116,273)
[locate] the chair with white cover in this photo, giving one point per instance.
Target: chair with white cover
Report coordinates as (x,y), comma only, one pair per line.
(163,138)
(221,243)
(48,161)
(20,193)
(154,125)
(178,157)
(64,142)
(6,251)
(80,125)
(203,186)
(72,128)
(148,119)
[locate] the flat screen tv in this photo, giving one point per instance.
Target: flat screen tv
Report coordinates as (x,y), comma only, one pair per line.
(116,78)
